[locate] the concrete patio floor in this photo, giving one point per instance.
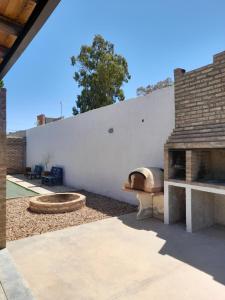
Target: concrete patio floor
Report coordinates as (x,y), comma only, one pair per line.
(2,293)
(121,258)
(12,284)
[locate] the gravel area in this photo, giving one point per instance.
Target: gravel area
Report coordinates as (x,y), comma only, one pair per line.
(22,223)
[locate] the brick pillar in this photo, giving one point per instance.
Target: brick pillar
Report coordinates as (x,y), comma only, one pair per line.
(178,73)
(193,161)
(2,168)
(41,119)
(219,58)
(166,164)
(189,166)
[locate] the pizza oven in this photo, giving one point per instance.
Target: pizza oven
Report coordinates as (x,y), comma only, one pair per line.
(148,179)
(147,183)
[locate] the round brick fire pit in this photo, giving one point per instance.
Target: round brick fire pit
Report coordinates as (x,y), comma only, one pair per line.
(57,203)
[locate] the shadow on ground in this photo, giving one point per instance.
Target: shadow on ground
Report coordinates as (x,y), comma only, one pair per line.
(204,250)
(106,205)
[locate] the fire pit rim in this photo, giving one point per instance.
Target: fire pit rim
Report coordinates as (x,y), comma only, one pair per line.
(38,206)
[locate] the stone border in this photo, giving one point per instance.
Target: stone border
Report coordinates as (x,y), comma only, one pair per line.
(27,185)
(38,188)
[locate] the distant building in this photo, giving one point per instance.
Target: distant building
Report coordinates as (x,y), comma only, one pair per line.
(42,119)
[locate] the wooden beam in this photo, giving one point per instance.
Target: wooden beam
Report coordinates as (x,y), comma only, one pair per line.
(3,51)
(35,1)
(42,11)
(2,168)
(9,26)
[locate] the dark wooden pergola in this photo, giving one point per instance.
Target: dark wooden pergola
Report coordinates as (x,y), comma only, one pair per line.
(20,20)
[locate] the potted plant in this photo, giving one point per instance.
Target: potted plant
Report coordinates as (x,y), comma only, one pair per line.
(46,162)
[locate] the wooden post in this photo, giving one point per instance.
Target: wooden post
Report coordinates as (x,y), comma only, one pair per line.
(2,168)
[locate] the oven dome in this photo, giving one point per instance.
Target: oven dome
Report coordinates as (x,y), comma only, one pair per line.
(146,179)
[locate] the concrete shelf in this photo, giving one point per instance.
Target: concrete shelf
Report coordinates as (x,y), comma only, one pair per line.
(200,205)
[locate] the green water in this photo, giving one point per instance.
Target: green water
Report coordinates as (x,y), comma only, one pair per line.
(13,190)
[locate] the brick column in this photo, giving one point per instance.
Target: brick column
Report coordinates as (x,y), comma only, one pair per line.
(2,168)
(193,161)
(178,73)
(189,166)
(166,164)
(168,171)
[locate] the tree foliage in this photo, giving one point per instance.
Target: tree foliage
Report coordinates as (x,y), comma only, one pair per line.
(1,84)
(100,73)
(142,91)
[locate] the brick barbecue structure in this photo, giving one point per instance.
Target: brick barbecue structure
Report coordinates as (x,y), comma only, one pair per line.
(194,158)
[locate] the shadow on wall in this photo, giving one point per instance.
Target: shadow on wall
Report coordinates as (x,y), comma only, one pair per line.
(203,250)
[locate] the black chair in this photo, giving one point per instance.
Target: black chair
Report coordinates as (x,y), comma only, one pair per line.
(36,174)
(54,178)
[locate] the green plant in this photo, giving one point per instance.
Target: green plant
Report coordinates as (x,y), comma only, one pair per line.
(100,73)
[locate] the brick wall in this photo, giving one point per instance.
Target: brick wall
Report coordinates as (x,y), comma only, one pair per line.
(200,103)
(16,155)
(193,161)
(2,168)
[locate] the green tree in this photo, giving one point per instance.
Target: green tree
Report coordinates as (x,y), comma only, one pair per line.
(1,84)
(100,73)
(142,91)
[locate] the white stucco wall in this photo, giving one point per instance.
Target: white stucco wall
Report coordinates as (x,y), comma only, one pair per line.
(99,161)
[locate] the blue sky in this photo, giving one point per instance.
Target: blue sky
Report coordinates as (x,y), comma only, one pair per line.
(155,36)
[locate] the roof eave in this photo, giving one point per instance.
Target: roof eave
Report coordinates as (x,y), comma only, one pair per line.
(34,24)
